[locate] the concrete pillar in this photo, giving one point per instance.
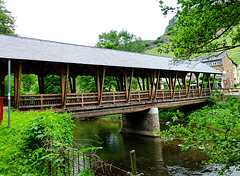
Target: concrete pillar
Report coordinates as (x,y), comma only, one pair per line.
(142,123)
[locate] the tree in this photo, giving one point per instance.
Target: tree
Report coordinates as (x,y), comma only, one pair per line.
(6,20)
(203,26)
(120,41)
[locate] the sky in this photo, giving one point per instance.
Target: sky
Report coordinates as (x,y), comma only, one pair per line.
(81,21)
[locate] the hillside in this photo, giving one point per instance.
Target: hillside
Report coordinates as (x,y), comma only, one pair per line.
(152,45)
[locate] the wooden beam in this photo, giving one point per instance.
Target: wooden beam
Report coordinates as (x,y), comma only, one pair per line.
(101,93)
(62,85)
(179,83)
(71,84)
(202,83)
(126,86)
(174,84)
(198,86)
(213,82)
(139,84)
(66,86)
(130,86)
(209,84)
(17,80)
(149,89)
(189,85)
(74,84)
(118,84)
(98,85)
(143,82)
(152,84)
(156,86)
(171,85)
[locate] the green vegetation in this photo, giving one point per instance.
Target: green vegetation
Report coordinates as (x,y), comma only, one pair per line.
(6,20)
(34,143)
(202,27)
(214,129)
(122,40)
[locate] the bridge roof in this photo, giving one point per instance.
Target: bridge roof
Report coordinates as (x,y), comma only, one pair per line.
(12,47)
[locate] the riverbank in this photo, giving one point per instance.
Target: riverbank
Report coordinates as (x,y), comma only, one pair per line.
(29,146)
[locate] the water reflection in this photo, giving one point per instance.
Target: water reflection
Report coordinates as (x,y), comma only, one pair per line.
(154,157)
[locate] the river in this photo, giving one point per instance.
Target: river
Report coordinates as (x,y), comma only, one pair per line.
(154,157)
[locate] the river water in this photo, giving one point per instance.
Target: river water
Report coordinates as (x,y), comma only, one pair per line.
(154,157)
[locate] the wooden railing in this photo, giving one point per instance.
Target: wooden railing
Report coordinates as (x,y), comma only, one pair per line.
(43,101)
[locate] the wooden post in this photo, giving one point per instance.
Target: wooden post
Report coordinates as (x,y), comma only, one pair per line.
(74,84)
(17,84)
(149,89)
(174,85)
(66,87)
(198,86)
(62,86)
(170,84)
(209,84)
(133,162)
(118,84)
(71,84)
(156,86)
(139,84)
(189,85)
(126,85)
(101,93)
(98,85)
(130,86)
(143,82)
(202,83)
(152,85)
(213,82)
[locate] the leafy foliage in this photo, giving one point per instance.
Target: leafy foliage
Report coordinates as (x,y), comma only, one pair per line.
(6,20)
(202,27)
(122,40)
(215,130)
(25,148)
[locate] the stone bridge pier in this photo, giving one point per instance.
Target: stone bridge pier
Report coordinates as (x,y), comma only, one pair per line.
(142,123)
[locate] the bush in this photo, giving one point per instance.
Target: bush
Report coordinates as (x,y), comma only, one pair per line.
(33,143)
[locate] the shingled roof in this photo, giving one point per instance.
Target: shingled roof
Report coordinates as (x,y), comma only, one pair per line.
(12,47)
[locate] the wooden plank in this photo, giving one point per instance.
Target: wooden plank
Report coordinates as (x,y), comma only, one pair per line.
(101,93)
(130,86)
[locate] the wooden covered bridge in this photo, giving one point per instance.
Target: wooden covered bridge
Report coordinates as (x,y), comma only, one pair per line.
(40,57)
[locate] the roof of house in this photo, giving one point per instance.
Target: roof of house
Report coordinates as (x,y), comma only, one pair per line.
(214,57)
(12,47)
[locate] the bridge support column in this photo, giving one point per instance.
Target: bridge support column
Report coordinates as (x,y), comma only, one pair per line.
(142,123)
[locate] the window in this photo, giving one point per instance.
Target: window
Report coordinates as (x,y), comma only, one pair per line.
(214,63)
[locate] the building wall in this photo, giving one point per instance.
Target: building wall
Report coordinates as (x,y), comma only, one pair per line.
(231,71)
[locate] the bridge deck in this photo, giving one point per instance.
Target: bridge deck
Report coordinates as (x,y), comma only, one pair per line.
(87,104)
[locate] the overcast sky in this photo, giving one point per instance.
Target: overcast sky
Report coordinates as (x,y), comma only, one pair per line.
(81,21)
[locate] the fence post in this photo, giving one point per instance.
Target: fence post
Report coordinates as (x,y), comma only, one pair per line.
(133,162)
